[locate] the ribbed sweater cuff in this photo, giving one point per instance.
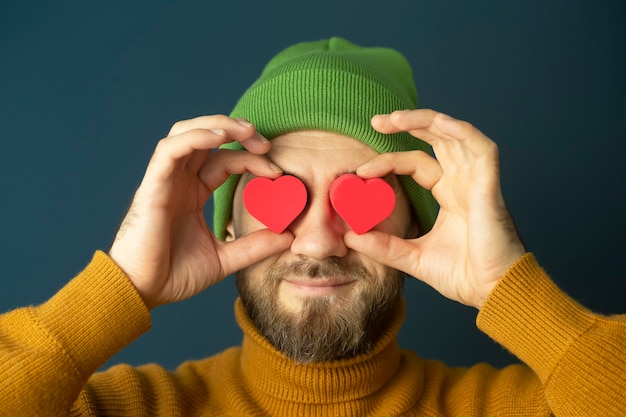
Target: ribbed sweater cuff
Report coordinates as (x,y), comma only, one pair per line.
(529,315)
(95,315)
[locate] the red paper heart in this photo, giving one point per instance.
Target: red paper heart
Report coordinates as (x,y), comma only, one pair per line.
(362,203)
(275,203)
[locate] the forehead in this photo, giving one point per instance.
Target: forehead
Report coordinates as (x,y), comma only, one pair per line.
(325,149)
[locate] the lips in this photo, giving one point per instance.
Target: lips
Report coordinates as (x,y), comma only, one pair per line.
(318,282)
(319,285)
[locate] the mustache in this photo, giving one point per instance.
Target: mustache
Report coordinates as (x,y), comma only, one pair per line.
(330,267)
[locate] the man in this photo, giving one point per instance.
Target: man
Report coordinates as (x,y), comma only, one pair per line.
(320,305)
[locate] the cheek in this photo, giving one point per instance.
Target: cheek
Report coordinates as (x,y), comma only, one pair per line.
(244,224)
(251,283)
(257,274)
(376,270)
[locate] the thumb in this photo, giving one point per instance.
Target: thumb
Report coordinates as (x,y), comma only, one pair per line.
(247,250)
(389,250)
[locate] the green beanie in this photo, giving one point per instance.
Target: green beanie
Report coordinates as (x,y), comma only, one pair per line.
(336,86)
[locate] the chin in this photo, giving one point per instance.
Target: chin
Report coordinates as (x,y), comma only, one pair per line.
(316,318)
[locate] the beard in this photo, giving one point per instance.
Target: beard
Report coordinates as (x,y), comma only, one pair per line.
(327,327)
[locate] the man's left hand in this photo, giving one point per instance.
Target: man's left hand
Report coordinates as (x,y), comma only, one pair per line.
(473,241)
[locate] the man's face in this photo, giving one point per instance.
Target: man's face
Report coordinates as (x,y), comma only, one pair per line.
(320,300)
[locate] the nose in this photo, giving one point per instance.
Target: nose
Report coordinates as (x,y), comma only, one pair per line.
(318,231)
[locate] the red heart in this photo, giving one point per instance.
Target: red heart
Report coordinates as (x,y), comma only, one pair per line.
(362,203)
(275,203)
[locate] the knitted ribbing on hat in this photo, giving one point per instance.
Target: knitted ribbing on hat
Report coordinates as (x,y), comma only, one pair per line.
(331,85)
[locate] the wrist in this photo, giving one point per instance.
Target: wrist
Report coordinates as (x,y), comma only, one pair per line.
(489,287)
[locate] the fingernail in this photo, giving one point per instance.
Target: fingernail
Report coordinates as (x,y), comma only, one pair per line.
(244,122)
(275,167)
(262,138)
(219,132)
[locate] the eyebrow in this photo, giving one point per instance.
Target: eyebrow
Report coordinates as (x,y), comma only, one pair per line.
(395,183)
(392,179)
(336,175)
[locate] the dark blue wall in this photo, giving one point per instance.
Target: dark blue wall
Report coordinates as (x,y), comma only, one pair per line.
(87,89)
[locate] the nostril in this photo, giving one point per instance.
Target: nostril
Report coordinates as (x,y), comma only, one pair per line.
(319,241)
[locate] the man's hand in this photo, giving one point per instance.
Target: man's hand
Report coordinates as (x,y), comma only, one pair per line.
(164,244)
(473,241)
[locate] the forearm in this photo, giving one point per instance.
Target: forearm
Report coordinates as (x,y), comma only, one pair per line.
(580,357)
(48,352)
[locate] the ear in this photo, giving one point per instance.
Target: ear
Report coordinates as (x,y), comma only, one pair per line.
(230,231)
(412,230)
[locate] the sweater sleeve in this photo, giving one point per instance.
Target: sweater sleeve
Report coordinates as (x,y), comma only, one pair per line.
(48,352)
(580,357)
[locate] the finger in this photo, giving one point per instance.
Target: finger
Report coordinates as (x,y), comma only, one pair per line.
(183,152)
(424,169)
(194,146)
(386,249)
(172,153)
(185,144)
(404,120)
(239,130)
(420,124)
(198,159)
(464,133)
(224,162)
(434,128)
(247,250)
(216,121)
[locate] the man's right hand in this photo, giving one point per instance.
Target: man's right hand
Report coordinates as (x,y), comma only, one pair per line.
(164,244)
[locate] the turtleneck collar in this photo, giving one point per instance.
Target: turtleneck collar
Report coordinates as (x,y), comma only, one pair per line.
(269,372)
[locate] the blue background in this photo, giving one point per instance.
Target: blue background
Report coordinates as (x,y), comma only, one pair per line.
(88,88)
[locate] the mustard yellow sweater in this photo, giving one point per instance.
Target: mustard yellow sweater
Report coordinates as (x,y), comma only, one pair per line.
(576,362)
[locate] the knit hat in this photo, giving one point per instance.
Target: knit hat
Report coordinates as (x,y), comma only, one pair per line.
(337,86)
